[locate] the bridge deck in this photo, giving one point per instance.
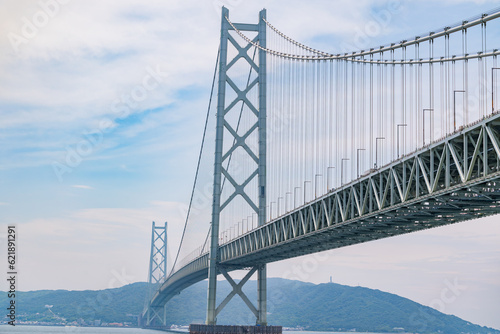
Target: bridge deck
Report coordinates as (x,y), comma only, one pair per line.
(452,180)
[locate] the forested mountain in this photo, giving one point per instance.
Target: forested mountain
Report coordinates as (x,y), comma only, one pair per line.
(290,303)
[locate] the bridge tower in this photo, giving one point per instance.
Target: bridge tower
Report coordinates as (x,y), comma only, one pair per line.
(233,142)
(156,315)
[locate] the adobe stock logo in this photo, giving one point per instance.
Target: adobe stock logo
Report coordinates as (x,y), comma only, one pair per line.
(449,294)
(48,9)
(121,108)
(424,317)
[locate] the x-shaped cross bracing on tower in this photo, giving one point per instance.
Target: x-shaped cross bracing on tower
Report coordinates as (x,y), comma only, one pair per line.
(239,140)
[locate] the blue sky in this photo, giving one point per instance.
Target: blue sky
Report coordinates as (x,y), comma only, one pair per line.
(72,81)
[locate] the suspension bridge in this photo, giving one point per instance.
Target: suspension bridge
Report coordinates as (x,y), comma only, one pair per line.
(316,151)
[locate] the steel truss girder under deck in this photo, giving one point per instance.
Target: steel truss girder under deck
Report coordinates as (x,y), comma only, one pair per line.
(453,180)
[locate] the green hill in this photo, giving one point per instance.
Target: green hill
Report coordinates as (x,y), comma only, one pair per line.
(290,304)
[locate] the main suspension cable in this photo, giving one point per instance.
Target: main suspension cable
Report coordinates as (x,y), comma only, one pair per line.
(351,56)
(199,159)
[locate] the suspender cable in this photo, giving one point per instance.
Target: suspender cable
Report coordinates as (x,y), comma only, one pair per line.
(373,141)
(392,124)
(431,90)
(403,109)
(382,95)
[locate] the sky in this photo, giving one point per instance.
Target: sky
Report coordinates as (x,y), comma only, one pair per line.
(102,108)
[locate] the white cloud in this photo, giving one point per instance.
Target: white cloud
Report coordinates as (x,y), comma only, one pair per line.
(81,186)
(102,236)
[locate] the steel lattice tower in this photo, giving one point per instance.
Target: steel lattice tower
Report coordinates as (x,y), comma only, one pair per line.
(157,272)
(238,141)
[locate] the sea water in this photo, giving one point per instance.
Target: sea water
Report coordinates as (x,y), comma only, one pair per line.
(73,330)
(101,330)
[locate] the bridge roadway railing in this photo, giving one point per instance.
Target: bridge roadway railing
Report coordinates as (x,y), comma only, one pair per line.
(449,181)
